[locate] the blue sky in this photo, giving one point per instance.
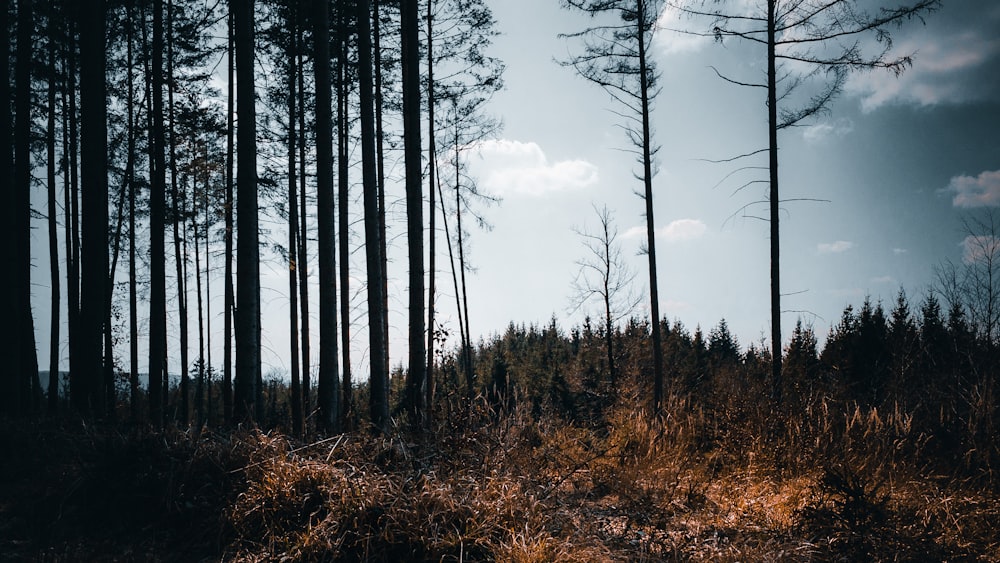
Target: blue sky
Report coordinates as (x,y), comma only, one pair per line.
(899,162)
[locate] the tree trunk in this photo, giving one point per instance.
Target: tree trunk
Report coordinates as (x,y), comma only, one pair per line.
(94,210)
(343,223)
(329,374)
(414,203)
(464,306)
(380,163)
(248,396)
(647,173)
(379,378)
(772,122)
(229,297)
(293,227)
(133,300)
(302,239)
(157,225)
(180,258)
(50,142)
(432,212)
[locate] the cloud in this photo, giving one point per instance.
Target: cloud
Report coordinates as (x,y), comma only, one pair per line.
(976,248)
(834,247)
(517,168)
(884,280)
(948,68)
(899,251)
(683,229)
(820,131)
(976,191)
(670,35)
(676,231)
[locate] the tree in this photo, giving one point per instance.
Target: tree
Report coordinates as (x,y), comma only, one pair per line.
(823,40)
(329,376)
(378,383)
(605,275)
(157,225)
(414,203)
(247,395)
(293,219)
(229,294)
(615,57)
(94,176)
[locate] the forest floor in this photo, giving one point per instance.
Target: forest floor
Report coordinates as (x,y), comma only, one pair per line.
(485,488)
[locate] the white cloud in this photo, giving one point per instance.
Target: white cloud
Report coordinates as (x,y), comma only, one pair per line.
(899,251)
(980,247)
(676,231)
(517,168)
(945,70)
(976,191)
(834,247)
(670,34)
(820,131)
(884,280)
(683,229)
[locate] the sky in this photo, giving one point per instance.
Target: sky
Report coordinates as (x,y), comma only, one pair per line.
(897,162)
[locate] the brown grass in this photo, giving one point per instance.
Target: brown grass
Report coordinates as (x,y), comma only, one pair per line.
(833,482)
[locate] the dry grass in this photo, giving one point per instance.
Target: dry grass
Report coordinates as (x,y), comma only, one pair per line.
(831,483)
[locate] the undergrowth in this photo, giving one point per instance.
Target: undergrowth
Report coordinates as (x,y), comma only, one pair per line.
(830,482)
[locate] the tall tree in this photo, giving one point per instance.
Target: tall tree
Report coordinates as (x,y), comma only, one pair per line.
(378,383)
(94,210)
(50,144)
(348,411)
(229,293)
(615,57)
(157,225)
(329,374)
(133,301)
(9,403)
(247,392)
(809,45)
(293,222)
(414,203)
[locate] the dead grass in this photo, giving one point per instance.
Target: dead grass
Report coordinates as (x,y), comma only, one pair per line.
(847,484)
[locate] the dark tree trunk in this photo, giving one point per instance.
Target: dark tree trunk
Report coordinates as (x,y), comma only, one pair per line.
(11,331)
(133,301)
(647,177)
(293,227)
(376,36)
(50,141)
(343,223)
(302,239)
(772,120)
(177,200)
(229,295)
(378,382)
(432,212)
(464,305)
(157,225)
(414,203)
(94,210)
(329,374)
(248,393)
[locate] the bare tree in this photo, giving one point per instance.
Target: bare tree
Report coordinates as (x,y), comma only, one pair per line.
(604,275)
(810,48)
(615,57)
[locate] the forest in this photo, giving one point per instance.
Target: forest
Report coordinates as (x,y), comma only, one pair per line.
(316,139)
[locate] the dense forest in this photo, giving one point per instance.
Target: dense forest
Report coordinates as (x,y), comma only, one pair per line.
(183,147)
